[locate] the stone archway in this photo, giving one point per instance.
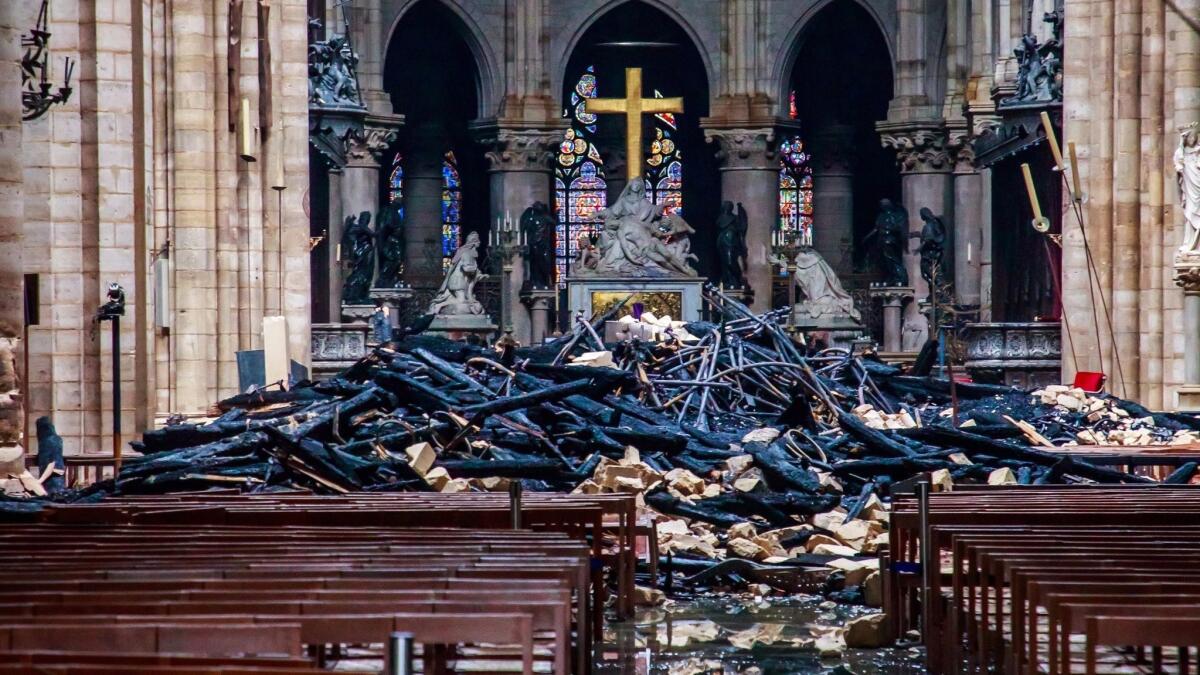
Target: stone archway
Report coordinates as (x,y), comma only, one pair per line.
(841,88)
(434,77)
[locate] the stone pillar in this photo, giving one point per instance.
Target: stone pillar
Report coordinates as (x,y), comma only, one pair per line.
(359,184)
(423,207)
(13,20)
(750,175)
(892,298)
(925,181)
(333,237)
(833,194)
(367,28)
(968,223)
(541,305)
(612,150)
(520,173)
(1188,278)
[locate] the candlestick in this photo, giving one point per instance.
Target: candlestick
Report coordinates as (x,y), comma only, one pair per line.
(1074,171)
(1053,140)
(1039,223)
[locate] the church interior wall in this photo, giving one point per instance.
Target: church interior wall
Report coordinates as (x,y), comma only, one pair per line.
(1142,58)
(141,165)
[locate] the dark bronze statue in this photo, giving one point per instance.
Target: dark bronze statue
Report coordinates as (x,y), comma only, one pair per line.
(731,245)
(888,243)
(389,237)
(358,253)
(538,229)
(332,73)
(933,240)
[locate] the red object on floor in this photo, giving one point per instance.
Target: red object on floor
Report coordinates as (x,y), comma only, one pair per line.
(1089,381)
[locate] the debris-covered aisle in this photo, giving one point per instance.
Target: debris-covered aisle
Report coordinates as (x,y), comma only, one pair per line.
(744,633)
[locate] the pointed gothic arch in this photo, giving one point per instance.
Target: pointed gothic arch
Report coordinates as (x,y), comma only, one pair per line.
(488,85)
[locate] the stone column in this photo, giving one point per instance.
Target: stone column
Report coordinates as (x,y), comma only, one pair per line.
(925,181)
(612,150)
(423,207)
(359,184)
(833,194)
(750,175)
(333,237)
(520,173)
(968,222)
(13,20)
(366,26)
(1188,278)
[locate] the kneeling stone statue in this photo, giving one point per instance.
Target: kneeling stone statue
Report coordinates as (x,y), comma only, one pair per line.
(825,299)
(457,293)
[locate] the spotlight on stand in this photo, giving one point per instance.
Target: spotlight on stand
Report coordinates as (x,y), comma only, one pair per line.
(112,311)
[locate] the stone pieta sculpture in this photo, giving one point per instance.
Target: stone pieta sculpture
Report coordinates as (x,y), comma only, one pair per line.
(358,254)
(824,296)
(731,245)
(457,293)
(638,240)
(889,241)
(537,226)
(389,234)
(1187,169)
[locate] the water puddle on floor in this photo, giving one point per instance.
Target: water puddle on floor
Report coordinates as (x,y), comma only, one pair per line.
(725,634)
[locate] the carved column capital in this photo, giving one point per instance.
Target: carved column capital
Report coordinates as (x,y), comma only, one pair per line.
(920,148)
(520,149)
(367,146)
(1187,274)
(960,146)
(739,148)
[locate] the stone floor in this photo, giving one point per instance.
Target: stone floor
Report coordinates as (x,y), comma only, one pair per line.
(712,635)
(717,635)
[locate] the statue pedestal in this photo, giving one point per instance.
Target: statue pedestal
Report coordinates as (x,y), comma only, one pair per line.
(357,313)
(678,297)
(462,326)
(541,304)
(893,298)
(394,298)
(842,329)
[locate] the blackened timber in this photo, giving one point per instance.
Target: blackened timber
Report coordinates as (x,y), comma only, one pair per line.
(400,440)
(512,403)
(538,469)
(780,471)
(663,502)
(413,392)
(957,438)
(875,440)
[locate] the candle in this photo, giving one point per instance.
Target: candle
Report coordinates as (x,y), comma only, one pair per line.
(1074,171)
(968,252)
(1053,140)
(1033,200)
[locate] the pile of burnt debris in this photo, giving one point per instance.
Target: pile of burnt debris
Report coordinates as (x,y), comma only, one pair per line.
(743,444)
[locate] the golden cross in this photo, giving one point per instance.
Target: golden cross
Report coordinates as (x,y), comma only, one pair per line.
(633,106)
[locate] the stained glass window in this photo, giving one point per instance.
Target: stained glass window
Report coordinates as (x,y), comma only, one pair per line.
(451,208)
(579,186)
(795,188)
(396,180)
(664,166)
